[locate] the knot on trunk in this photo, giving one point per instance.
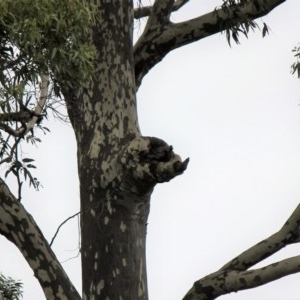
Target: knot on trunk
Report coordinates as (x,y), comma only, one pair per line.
(149,160)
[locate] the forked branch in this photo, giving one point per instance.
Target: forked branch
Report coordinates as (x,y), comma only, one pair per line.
(162,36)
(288,234)
(235,276)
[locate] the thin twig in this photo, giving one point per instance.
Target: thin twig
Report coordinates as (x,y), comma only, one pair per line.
(9,158)
(19,182)
(64,222)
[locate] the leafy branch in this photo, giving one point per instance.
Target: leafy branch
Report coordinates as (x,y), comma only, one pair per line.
(10,289)
(22,167)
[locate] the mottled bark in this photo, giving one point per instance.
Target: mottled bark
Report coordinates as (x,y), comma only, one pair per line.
(145,11)
(236,276)
(117,167)
(162,36)
(17,225)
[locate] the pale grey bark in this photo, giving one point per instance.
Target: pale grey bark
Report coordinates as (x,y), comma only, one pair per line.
(118,168)
(235,275)
(26,117)
(162,36)
(145,11)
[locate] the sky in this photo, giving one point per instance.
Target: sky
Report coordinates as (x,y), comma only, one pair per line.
(235,111)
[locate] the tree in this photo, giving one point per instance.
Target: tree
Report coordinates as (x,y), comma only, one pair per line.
(10,289)
(119,168)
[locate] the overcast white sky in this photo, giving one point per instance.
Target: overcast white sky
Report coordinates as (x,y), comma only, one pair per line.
(235,112)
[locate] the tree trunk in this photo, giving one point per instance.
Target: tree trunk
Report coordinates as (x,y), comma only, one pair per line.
(117,167)
(113,232)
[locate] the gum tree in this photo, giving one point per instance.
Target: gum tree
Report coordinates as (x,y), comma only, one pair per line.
(83,54)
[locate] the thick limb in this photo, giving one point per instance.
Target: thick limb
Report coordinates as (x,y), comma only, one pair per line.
(18,226)
(235,275)
(162,36)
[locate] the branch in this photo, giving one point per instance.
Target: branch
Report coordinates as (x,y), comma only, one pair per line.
(288,234)
(237,281)
(28,118)
(159,39)
(12,151)
(64,222)
(13,132)
(223,282)
(147,161)
(41,103)
(160,13)
(145,11)
(233,276)
(18,226)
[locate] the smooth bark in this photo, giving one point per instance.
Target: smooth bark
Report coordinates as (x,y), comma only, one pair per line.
(18,226)
(235,276)
(162,36)
(118,167)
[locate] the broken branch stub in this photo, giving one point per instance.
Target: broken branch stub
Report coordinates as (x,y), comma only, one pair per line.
(147,161)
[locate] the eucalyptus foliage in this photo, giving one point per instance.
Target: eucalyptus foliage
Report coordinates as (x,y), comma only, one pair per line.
(10,289)
(36,35)
(39,37)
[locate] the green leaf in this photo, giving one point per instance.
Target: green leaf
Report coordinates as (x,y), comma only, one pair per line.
(27,160)
(31,166)
(265,30)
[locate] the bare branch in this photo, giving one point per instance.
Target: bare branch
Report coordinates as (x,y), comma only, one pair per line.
(64,222)
(288,234)
(160,13)
(250,279)
(142,12)
(159,39)
(233,276)
(145,11)
(13,132)
(18,226)
(224,282)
